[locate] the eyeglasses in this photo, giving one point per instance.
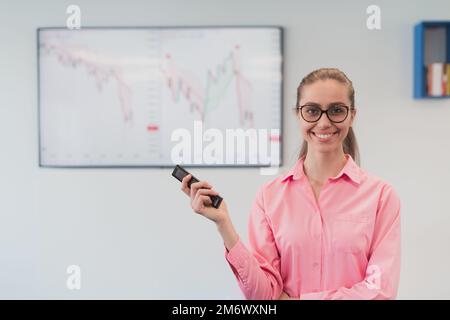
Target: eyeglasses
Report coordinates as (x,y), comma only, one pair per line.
(312,113)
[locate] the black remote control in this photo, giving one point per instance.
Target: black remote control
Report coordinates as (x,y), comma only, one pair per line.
(180,173)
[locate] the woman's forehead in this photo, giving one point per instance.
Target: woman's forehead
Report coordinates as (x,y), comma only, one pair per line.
(324,92)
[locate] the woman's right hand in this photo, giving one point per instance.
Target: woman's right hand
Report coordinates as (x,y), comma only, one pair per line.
(199,193)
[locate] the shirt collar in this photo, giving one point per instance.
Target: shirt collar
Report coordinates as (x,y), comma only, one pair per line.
(350,169)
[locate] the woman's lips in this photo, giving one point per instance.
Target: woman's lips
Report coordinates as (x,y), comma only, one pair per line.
(324,137)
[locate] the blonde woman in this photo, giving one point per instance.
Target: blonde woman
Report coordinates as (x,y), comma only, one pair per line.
(325,230)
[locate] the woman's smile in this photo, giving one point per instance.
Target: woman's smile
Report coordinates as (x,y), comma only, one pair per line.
(324,137)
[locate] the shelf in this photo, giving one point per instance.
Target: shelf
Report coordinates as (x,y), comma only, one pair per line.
(431,44)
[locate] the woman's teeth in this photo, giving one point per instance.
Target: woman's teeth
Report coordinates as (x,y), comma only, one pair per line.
(324,136)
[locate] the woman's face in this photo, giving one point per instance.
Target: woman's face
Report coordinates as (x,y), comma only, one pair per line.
(324,135)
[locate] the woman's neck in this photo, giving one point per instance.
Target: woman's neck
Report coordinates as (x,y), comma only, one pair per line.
(319,166)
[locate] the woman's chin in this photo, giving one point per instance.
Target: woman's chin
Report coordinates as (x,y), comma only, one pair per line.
(322,147)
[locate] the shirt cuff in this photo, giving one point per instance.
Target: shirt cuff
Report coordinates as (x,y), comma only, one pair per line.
(238,255)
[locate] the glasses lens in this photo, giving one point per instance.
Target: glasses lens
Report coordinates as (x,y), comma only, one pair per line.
(337,113)
(311,113)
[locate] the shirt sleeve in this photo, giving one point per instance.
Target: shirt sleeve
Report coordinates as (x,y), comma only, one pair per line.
(383,269)
(257,268)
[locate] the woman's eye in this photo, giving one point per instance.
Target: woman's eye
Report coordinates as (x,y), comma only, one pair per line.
(337,110)
(312,111)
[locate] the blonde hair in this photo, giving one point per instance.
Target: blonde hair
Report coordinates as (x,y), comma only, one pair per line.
(350,145)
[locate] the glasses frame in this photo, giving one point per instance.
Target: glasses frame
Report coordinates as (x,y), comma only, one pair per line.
(299,108)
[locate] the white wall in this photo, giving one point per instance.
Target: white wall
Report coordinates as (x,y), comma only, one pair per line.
(132,231)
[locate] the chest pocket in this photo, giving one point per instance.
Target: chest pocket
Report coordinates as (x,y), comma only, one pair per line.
(350,233)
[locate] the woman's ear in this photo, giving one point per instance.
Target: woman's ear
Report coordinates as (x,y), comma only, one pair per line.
(352,116)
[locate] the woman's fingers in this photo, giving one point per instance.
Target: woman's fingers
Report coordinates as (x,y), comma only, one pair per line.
(206,192)
(184,184)
(199,185)
(202,199)
(205,200)
(200,203)
(201,193)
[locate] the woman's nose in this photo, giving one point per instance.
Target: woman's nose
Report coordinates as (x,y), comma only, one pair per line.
(324,122)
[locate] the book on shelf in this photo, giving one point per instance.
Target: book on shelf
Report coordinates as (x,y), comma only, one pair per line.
(438,79)
(448,79)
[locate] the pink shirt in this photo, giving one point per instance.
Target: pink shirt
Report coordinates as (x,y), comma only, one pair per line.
(346,245)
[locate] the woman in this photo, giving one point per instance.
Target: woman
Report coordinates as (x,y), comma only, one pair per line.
(325,230)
